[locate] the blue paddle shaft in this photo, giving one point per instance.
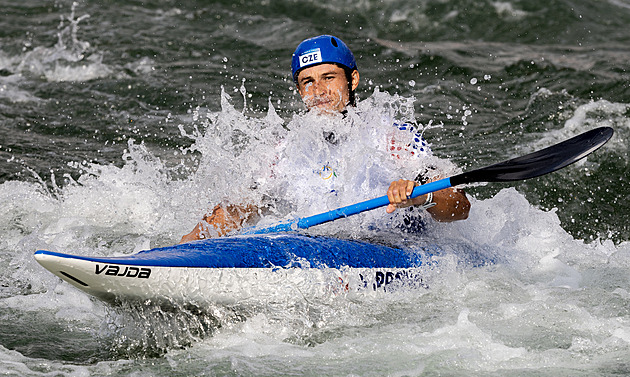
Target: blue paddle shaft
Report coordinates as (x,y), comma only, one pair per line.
(307,222)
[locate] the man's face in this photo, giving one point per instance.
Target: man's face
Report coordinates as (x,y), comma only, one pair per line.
(324,87)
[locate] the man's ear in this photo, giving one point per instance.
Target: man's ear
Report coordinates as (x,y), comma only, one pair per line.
(355,79)
(299,89)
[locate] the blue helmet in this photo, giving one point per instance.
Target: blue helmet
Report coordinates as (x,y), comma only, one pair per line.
(319,50)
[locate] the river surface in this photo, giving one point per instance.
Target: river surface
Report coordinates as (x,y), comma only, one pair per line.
(123,122)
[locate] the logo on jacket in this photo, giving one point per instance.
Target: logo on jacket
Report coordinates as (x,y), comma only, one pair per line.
(327,172)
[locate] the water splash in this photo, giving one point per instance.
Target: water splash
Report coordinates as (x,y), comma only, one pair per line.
(70,59)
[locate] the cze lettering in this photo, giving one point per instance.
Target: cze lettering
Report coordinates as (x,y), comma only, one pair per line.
(311,57)
(127,271)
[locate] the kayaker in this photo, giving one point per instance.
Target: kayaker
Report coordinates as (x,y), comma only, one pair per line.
(326,76)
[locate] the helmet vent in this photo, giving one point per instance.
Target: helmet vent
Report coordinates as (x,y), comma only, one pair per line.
(334,42)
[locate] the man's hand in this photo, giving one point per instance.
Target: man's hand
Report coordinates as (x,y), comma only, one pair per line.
(450,204)
(398,195)
(221,221)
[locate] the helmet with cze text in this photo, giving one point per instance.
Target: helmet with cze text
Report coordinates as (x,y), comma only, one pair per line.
(320,50)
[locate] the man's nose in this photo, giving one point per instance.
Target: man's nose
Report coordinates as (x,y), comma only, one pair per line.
(320,88)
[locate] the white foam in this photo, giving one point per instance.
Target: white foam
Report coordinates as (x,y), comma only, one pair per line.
(70,59)
(68,304)
(600,113)
(13,363)
(507,10)
(10,90)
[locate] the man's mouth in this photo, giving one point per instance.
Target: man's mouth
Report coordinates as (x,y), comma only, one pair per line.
(320,102)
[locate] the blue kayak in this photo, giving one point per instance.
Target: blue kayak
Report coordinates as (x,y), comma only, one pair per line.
(233,269)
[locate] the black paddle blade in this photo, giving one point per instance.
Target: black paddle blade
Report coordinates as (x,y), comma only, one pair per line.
(541,162)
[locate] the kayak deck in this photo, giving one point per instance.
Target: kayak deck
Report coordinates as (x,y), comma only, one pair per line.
(237,269)
(283,250)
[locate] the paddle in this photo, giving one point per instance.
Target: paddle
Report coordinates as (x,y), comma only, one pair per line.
(531,165)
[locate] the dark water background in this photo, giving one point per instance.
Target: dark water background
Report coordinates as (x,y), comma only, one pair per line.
(499,78)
